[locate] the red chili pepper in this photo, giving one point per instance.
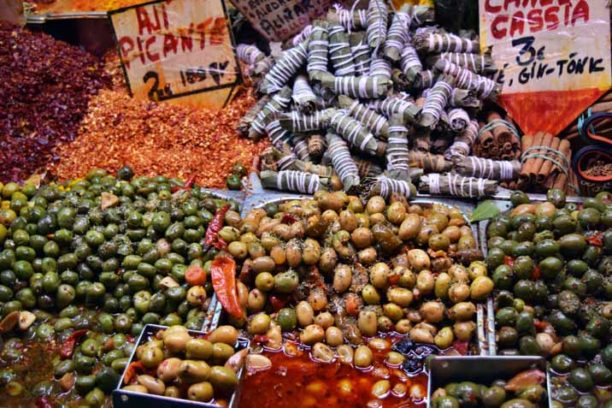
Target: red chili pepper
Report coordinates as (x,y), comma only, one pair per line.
(536,274)
(260,339)
(288,219)
(540,325)
(43,402)
(508,260)
(212,232)
(188,184)
(461,347)
(131,370)
(67,347)
(223,275)
(595,239)
(277,303)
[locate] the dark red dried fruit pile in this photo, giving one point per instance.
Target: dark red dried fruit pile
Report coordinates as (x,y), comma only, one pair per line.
(45,86)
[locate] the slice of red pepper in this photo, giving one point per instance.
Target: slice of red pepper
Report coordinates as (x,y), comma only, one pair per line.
(211,238)
(188,184)
(508,260)
(536,274)
(277,302)
(223,276)
(131,371)
(595,239)
(461,347)
(67,347)
(43,402)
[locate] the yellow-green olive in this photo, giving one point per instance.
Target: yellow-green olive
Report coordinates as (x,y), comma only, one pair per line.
(396,213)
(427,230)
(256,250)
(355,204)
(345,354)
(400,296)
(175,342)
(394,358)
(476,269)
(334,336)
(348,221)
(172,391)
(293,250)
(321,352)
(403,326)
(343,275)
(377,218)
(278,255)
(202,391)
(194,370)
(425,282)
(264,281)
(136,388)
(324,319)
(370,295)
(363,357)
(199,349)
(256,300)
(311,334)
(466,242)
(452,232)
(364,220)
(407,277)
(224,334)
(238,249)
(381,388)
(379,275)
(378,343)
(375,204)
(268,240)
(312,252)
(317,299)
(464,330)
(367,256)
(444,339)
(384,324)
(153,385)
(362,237)
(259,324)
(223,379)
(263,264)
(393,311)
(439,242)
(442,284)
(367,322)
(462,311)
(221,352)
(305,313)
(151,356)
(459,273)
(432,311)
(196,295)
(328,260)
(421,335)
(418,259)
(410,227)
(458,292)
(481,287)
(170,368)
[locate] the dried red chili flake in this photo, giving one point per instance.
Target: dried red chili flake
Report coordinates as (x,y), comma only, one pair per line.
(45,86)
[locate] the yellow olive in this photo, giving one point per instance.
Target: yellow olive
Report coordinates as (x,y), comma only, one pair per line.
(153,385)
(476,269)
(481,287)
(194,370)
(393,311)
(172,391)
(363,357)
(380,389)
(370,295)
(278,255)
(334,336)
(459,273)
(345,354)
(400,296)
(394,358)
(438,219)
(403,326)
(259,324)
(328,260)
(380,344)
(458,292)
(175,342)
(427,230)
(442,284)
(439,242)
(377,218)
(466,242)
(444,339)
(263,264)
(312,334)
(256,300)
(399,390)
(169,369)
(421,335)
(464,330)
(321,352)
(432,311)
(324,319)
(202,391)
(136,388)
(223,379)
(425,282)
(199,349)
(238,249)
(462,311)
(418,259)
(221,352)
(256,250)
(348,220)
(312,252)
(362,237)
(367,256)
(367,322)
(452,232)
(224,334)
(305,313)
(379,274)
(384,324)
(375,204)
(396,213)
(355,204)
(293,250)
(268,241)
(410,227)
(407,277)
(317,299)
(196,295)
(264,281)
(343,275)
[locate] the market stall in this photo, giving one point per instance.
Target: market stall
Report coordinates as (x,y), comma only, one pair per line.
(261,203)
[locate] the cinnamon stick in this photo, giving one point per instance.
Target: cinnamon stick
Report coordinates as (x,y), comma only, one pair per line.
(526,143)
(546,168)
(486,138)
(539,161)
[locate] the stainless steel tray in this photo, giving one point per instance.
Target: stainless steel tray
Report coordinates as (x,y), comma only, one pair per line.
(481,369)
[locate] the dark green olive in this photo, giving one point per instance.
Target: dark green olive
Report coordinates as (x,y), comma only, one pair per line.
(529,346)
(587,401)
(572,245)
(566,395)
(562,363)
(445,402)
(550,267)
(577,267)
(507,336)
(503,277)
(601,374)
(581,379)
(523,267)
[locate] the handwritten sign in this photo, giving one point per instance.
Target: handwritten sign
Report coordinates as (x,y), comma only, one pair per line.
(278,20)
(178,51)
(553,57)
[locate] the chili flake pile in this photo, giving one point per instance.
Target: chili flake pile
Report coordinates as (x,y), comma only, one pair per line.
(158,139)
(45,86)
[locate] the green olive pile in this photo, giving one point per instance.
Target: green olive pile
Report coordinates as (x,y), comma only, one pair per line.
(234,180)
(116,247)
(175,363)
(499,394)
(552,269)
(339,269)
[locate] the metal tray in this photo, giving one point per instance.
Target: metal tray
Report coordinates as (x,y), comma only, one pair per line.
(130,399)
(443,370)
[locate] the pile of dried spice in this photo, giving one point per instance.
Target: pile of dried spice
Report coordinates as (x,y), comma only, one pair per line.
(45,86)
(158,138)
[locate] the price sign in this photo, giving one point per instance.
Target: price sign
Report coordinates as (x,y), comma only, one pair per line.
(178,51)
(278,20)
(553,57)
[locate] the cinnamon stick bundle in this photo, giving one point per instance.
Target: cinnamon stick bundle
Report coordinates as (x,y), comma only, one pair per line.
(545,162)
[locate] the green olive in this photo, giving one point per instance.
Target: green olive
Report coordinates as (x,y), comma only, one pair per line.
(223,379)
(202,391)
(221,352)
(198,349)
(259,324)
(363,357)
